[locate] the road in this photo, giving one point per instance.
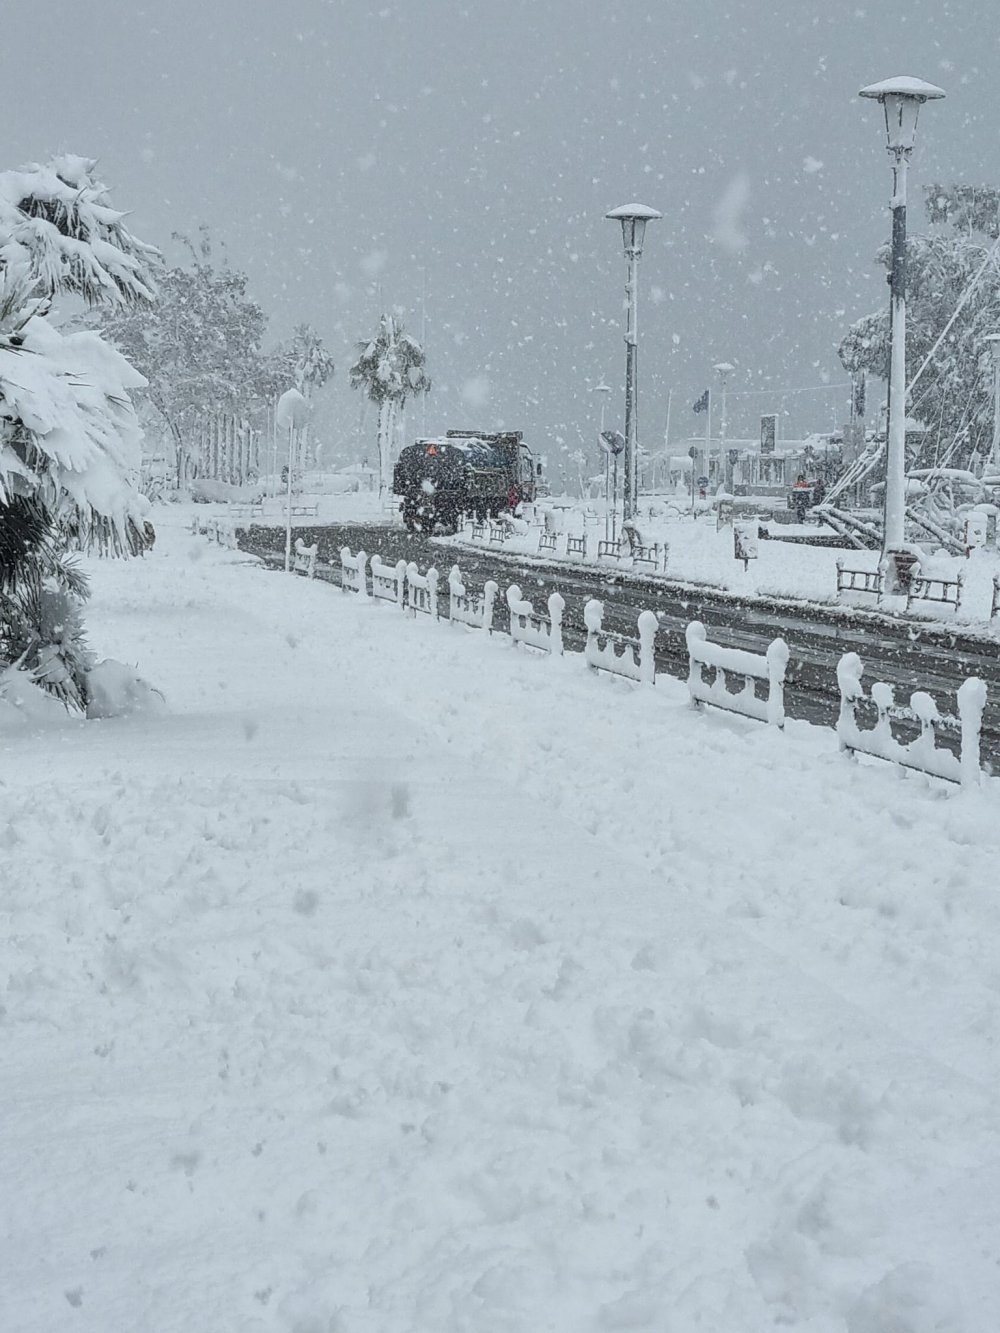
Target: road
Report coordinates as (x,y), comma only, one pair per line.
(908,655)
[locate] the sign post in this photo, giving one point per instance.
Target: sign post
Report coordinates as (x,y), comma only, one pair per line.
(745,542)
(613,442)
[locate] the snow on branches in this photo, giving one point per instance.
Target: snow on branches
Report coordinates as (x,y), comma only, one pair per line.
(69,438)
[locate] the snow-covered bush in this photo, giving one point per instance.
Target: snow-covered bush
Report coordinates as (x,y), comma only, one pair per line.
(114,690)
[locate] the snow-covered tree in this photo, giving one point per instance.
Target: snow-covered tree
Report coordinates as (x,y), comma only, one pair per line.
(389,369)
(953,398)
(303,361)
(304,364)
(199,347)
(69,438)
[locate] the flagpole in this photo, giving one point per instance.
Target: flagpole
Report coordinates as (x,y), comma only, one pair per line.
(708,433)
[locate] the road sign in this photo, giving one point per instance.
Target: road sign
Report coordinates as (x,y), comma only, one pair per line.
(613,441)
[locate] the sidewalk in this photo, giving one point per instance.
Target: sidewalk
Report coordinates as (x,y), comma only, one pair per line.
(395,979)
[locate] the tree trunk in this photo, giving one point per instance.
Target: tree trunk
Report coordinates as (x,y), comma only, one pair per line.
(386,424)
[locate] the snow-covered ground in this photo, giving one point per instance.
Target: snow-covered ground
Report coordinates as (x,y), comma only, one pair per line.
(394,980)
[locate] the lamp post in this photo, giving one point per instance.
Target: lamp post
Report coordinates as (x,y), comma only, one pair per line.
(723,369)
(901,100)
(993,342)
(633,218)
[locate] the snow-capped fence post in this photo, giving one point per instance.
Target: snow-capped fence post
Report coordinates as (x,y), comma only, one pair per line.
(466,609)
(769,666)
(421,590)
(620,653)
(923,753)
(534,629)
(352,571)
(304,561)
(388,581)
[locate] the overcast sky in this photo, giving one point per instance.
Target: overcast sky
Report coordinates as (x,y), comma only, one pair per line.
(455,161)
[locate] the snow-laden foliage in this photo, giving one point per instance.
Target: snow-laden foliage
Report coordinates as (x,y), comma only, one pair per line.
(199,347)
(69,436)
(303,360)
(56,220)
(953,398)
(390,369)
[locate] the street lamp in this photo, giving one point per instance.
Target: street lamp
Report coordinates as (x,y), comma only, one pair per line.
(901,100)
(633,218)
(993,342)
(723,369)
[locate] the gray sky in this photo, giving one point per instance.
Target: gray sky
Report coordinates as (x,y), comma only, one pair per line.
(352,155)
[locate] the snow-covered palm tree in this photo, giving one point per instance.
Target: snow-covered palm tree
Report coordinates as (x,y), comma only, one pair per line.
(390,369)
(69,437)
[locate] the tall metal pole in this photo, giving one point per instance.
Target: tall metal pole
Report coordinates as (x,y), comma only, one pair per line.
(895,467)
(901,99)
(629,484)
(633,219)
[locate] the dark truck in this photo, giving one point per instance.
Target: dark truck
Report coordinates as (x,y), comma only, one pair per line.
(466,473)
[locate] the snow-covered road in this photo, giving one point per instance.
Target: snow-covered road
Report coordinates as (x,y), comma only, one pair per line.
(395,980)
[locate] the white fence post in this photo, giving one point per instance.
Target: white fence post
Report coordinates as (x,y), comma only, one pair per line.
(971,702)
(422,589)
(770,666)
(923,753)
(305,558)
(557,606)
(526,626)
(352,572)
(465,609)
(388,581)
(635,661)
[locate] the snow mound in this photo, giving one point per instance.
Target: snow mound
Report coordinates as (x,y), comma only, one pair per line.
(23,703)
(114,690)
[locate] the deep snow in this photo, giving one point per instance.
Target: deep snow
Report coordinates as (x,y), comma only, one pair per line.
(396,979)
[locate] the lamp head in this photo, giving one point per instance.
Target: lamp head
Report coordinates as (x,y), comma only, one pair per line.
(901,98)
(633,218)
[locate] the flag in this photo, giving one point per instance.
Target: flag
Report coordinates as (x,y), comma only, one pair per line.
(702,404)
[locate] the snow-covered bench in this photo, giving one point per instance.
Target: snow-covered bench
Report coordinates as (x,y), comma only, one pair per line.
(547,542)
(352,571)
(620,653)
(577,546)
(466,608)
(499,532)
(421,590)
(242,512)
(304,559)
(479,532)
(769,667)
(304,510)
(388,581)
(534,629)
(923,753)
(995,602)
(609,550)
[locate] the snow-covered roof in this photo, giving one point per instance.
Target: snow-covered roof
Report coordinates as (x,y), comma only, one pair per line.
(903,85)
